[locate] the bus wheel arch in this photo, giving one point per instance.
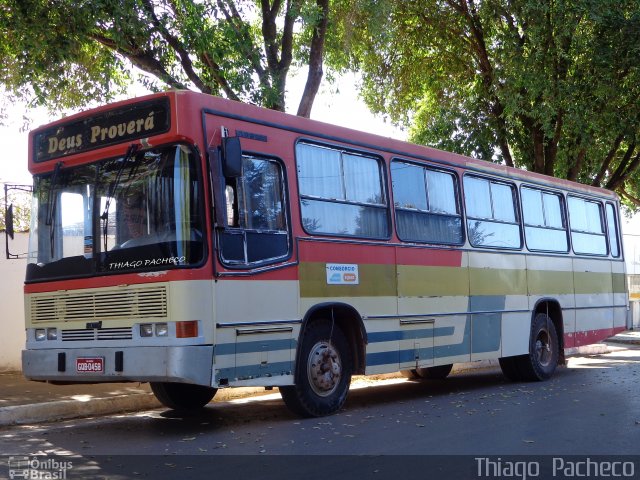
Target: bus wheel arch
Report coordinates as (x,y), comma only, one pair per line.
(329,351)
(546,346)
(350,321)
(552,309)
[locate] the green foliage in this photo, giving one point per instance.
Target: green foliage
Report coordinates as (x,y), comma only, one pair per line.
(68,53)
(552,87)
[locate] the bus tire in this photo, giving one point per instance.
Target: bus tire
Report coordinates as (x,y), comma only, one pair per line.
(182,396)
(323,372)
(509,368)
(435,373)
(410,374)
(544,350)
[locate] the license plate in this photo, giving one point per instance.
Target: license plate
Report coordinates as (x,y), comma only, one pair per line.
(90,365)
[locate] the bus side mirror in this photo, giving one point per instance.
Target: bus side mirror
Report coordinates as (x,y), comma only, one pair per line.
(231,157)
(8,221)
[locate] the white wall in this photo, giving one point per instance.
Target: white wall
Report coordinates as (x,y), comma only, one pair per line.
(12,273)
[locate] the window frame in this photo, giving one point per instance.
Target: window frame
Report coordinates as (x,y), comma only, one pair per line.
(384,190)
(233,230)
(457,197)
(516,210)
(563,210)
(617,233)
(599,203)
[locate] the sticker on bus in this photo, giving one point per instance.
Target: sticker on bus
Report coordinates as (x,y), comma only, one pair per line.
(90,365)
(342,274)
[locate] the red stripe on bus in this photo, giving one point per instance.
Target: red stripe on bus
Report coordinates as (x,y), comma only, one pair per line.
(379,255)
(589,337)
(346,253)
(115,280)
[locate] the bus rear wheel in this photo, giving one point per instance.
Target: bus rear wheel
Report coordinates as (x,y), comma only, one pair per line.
(544,350)
(182,396)
(323,372)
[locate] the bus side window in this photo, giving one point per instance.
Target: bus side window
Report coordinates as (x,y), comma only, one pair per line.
(426,204)
(491,215)
(341,192)
(255,212)
(545,226)
(587,226)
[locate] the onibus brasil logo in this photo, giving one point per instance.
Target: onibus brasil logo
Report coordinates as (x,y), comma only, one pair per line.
(38,468)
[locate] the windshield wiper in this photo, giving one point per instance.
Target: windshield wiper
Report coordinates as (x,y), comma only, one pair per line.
(133,148)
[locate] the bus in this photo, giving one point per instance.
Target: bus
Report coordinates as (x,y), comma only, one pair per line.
(198,243)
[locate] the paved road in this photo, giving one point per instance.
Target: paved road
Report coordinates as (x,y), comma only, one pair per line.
(590,407)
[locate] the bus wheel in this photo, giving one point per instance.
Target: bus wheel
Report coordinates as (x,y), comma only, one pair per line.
(323,372)
(182,396)
(435,373)
(541,361)
(543,348)
(410,374)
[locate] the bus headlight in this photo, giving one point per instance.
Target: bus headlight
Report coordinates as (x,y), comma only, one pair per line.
(41,334)
(52,333)
(162,330)
(146,329)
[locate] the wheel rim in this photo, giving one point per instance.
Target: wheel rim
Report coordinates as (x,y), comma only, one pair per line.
(324,369)
(544,352)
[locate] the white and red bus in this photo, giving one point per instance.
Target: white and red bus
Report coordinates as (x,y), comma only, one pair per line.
(198,243)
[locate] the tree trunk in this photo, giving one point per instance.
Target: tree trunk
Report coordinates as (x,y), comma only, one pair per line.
(316,54)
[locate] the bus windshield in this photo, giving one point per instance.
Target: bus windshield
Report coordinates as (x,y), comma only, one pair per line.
(138,212)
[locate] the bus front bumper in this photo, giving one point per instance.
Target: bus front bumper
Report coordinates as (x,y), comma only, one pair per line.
(183,364)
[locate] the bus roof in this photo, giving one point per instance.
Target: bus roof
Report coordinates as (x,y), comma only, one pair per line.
(113,125)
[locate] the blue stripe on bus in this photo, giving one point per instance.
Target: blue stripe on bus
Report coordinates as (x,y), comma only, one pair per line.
(487,327)
(394,335)
(255,371)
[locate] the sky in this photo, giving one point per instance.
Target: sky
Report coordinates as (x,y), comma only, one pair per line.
(338,104)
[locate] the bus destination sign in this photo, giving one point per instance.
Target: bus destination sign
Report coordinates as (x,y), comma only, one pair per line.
(138,120)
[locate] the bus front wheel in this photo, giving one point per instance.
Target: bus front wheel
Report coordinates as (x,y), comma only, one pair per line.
(182,396)
(323,372)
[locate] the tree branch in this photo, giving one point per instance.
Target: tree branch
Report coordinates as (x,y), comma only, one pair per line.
(577,165)
(607,161)
(235,20)
(270,32)
(316,55)
(141,59)
(177,46)
(624,169)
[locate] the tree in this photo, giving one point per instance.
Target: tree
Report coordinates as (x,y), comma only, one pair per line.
(553,86)
(67,53)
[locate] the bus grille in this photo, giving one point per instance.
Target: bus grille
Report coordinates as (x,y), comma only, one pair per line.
(97,334)
(124,303)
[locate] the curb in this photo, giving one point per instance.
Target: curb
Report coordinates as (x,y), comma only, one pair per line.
(624,341)
(68,409)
